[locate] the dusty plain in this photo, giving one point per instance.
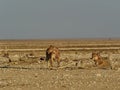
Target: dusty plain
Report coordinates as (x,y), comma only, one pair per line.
(31,73)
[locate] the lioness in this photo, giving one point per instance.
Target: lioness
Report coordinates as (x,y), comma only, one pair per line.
(99,62)
(53,54)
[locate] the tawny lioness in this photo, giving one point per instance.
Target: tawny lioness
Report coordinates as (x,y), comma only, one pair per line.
(99,62)
(53,54)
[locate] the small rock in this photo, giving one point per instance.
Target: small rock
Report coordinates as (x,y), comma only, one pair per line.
(36,74)
(98,75)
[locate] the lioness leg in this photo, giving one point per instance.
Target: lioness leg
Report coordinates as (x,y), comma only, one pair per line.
(51,62)
(58,62)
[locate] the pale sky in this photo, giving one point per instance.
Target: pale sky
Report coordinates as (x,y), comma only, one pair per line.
(42,19)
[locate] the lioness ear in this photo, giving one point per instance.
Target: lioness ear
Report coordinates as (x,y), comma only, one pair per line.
(93,53)
(51,45)
(98,53)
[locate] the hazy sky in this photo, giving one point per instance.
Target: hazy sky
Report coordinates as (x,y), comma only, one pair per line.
(31,19)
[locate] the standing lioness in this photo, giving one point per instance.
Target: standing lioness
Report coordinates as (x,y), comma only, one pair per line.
(99,62)
(53,54)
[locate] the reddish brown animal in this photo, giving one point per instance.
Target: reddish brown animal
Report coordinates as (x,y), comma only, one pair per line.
(99,62)
(53,54)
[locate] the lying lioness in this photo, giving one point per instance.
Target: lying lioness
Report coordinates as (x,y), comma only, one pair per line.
(99,62)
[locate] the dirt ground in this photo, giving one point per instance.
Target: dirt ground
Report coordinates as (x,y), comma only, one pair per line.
(33,74)
(33,77)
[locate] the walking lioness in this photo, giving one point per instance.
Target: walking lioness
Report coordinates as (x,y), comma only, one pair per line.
(53,54)
(99,62)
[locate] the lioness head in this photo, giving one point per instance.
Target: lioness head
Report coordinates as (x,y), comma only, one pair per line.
(95,56)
